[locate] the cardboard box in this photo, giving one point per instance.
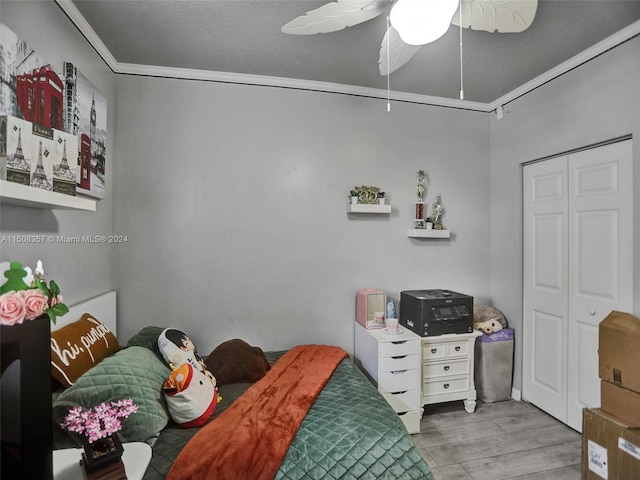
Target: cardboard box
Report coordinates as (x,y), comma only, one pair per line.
(65,162)
(621,403)
(619,345)
(15,150)
(610,448)
(371,305)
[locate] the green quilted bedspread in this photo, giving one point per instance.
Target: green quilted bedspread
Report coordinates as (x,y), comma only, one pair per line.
(350,432)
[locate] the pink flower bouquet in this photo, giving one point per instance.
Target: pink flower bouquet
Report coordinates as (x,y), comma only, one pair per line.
(101,421)
(20,301)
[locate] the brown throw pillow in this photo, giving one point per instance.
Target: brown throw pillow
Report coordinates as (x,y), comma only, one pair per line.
(79,346)
(236,361)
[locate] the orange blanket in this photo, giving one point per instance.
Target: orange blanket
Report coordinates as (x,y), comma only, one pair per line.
(250,439)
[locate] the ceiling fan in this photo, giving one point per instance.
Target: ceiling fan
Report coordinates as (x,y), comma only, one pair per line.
(398,45)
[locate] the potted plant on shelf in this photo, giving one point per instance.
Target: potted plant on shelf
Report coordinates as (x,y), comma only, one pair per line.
(353,195)
(381,198)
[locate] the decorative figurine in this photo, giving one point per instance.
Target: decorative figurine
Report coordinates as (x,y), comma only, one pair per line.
(438,212)
(15,275)
(391,308)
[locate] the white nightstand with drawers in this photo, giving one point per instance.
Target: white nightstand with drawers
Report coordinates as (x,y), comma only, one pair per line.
(392,361)
(67,462)
(448,369)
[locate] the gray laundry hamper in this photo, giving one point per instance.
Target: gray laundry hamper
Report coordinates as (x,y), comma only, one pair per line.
(494,366)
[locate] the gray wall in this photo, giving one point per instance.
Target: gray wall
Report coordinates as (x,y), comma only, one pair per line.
(594,103)
(233,197)
(234,202)
(81,270)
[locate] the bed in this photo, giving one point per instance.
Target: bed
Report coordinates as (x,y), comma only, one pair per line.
(349,431)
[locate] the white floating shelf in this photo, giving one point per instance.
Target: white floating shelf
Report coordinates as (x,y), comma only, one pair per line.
(368,208)
(424,233)
(25,196)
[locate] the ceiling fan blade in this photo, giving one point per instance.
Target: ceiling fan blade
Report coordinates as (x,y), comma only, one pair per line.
(335,16)
(505,16)
(399,52)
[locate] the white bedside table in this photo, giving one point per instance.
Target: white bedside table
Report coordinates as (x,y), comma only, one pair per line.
(392,362)
(136,458)
(448,369)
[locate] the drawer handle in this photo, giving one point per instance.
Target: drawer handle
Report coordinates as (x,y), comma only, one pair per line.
(398,393)
(400,342)
(458,348)
(446,385)
(396,372)
(399,357)
(446,368)
(434,350)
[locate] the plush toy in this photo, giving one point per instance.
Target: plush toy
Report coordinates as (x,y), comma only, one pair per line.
(191,391)
(236,361)
(488,319)
(191,398)
(176,348)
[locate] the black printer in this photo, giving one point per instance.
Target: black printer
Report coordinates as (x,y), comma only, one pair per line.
(436,312)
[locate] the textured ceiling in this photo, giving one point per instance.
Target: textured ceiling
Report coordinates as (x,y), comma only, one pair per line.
(244,37)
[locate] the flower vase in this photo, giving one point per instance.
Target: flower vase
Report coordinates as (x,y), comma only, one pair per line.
(101,453)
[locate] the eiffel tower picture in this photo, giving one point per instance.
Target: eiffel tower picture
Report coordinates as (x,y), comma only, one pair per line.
(39,177)
(64,175)
(62,170)
(18,160)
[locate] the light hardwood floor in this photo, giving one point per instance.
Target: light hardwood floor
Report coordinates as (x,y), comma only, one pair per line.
(501,441)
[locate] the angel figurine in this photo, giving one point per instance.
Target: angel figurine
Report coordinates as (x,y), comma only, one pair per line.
(438,212)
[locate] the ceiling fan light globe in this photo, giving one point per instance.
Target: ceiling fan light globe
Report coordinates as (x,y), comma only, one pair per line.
(419,22)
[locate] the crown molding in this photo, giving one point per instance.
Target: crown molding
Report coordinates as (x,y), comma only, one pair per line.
(599,48)
(295,84)
(92,37)
(298,84)
(89,33)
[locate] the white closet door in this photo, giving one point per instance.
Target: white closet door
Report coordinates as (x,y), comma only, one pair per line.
(545,285)
(578,267)
(600,261)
